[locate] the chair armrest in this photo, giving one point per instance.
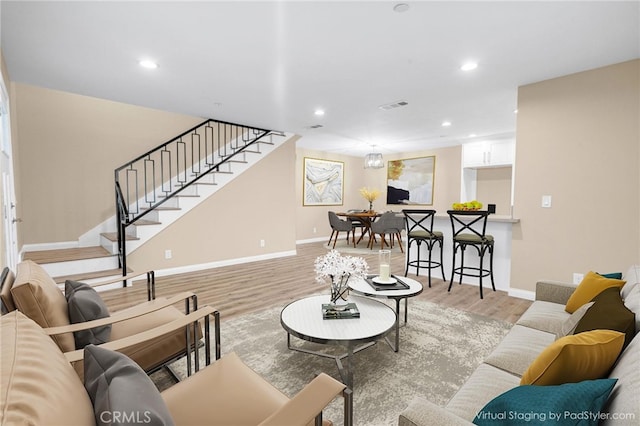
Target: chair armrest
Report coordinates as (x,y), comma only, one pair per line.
(554,291)
(136,311)
(147,335)
(307,403)
(151,282)
(117,280)
(422,412)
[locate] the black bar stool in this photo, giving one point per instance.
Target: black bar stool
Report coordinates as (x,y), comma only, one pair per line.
(420,230)
(469,230)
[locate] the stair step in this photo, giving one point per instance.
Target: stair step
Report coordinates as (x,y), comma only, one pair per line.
(113,236)
(91,275)
(160,208)
(146,222)
(205,183)
(181,196)
(222,172)
(64,255)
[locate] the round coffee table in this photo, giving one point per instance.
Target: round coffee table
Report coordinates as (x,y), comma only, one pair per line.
(414,288)
(303,319)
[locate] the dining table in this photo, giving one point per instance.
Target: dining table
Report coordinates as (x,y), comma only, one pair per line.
(366,217)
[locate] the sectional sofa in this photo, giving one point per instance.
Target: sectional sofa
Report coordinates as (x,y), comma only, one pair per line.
(540,327)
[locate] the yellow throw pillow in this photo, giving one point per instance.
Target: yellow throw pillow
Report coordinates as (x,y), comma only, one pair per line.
(590,286)
(584,356)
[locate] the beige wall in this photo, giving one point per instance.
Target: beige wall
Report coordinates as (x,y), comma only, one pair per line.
(446,187)
(577,140)
(494,187)
(69,147)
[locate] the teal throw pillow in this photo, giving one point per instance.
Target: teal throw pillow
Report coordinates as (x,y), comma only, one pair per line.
(568,404)
(613,275)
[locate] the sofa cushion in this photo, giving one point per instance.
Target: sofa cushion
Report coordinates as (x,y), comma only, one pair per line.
(37,296)
(545,316)
(519,348)
(609,313)
(632,278)
(484,384)
(569,326)
(585,356)
(590,286)
(37,384)
(558,405)
(85,304)
(625,397)
(632,302)
(121,392)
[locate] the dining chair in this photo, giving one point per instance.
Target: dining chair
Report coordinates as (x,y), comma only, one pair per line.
(338,225)
(390,224)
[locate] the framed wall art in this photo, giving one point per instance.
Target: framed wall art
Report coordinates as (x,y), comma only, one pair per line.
(410,181)
(323,182)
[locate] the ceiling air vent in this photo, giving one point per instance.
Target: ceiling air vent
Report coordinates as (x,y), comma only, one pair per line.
(315,126)
(393,105)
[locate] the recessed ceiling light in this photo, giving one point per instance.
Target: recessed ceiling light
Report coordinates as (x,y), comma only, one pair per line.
(319,112)
(469,66)
(446,123)
(515,111)
(472,135)
(146,63)
(401,7)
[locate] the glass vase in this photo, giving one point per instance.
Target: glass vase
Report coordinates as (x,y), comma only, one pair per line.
(339,288)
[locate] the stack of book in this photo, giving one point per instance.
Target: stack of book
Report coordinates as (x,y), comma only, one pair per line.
(331,311)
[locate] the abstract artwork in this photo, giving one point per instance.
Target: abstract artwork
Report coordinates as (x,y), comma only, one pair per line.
(323,182)
(410,181)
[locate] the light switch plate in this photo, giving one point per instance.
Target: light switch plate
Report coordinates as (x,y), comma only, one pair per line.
(546,201)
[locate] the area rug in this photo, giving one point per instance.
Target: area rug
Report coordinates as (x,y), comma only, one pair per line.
(439,348)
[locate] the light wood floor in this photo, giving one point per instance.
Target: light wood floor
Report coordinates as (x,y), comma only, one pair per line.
(240,289)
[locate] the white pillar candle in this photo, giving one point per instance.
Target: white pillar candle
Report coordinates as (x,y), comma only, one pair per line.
(385,271)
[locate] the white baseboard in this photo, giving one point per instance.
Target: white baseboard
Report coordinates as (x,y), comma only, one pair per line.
(312,240)
(218,264)
(522,294)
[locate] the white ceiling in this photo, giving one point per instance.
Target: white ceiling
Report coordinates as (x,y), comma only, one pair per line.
(271,64)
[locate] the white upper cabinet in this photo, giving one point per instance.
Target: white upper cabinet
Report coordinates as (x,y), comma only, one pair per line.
(488,153)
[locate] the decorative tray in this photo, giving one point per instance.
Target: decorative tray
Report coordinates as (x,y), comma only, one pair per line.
(398,285)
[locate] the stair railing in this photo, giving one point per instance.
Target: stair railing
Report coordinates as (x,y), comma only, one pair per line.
(152,180)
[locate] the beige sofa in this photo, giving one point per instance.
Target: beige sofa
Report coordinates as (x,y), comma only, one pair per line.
(536,329)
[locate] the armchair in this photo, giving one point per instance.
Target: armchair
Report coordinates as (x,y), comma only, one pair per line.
(35,294)
(46,390)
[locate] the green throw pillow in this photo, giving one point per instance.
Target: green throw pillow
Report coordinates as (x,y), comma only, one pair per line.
(568,404)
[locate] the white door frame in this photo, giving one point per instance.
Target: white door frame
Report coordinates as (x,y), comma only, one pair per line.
(9,216)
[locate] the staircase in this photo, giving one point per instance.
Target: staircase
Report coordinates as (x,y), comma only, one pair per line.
(156,189)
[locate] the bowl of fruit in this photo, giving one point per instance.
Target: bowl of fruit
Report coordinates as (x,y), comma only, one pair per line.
(474,205)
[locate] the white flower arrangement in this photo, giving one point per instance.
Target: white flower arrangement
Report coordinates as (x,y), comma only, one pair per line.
(339,269)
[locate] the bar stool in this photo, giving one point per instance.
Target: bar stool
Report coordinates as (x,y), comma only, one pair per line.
(469,230)
(420,230)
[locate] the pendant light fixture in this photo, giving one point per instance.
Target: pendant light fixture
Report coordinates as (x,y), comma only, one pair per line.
(373,160)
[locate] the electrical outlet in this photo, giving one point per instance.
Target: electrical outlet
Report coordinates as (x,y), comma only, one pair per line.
(262,243)
(577,278)
(168,254)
